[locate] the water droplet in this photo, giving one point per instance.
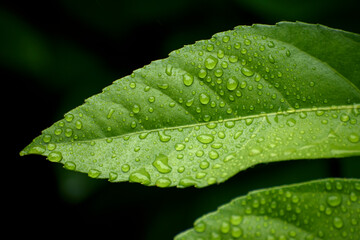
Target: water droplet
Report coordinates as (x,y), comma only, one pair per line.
(236,232)
(161,163)
(338,222)
(233,59)
(47,138)
(179,147)
(113,176)
(188,79)
(125,168)
(334,200)
(78,124)
(291,122)
(55,157)
(68,132)
(69,117)
(94,173)
(344,117)
(235,219)
(225,227)
(199,227)
(163,182)
(140,176)
(163,86)
(187,182)
(163,137)
(132,85)
(168,70)
(211,62)
(204,98)
(247,72)
(136,108)
(247,42)
(271,58)
(110,113)
(205,138)
(70,165)
(354,138)
(204,164)
(232,83)
(218,72)
(213,154)
(202,73)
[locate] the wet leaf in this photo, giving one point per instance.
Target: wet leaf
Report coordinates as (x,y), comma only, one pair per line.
(323,209)
(251,95)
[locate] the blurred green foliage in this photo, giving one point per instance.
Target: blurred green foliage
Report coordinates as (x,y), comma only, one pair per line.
(55,54)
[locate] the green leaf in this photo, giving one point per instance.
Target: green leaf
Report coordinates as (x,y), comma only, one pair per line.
(322,209)
(251,95)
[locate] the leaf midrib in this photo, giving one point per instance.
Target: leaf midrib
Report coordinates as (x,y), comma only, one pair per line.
(340,107)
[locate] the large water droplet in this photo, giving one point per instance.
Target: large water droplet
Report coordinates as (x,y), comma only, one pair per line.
(354,138)
(161,164)
(247,72)
(55,157)
(204,98)
(140,176)
(94,173)
(338,222)
(136,108)
(163,182)
(334,200)
(70,165)
(232,83)
(205,138)
(163,137)
(211,62)
(188,79)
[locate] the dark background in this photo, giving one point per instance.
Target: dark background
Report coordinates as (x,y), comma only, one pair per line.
(54,54)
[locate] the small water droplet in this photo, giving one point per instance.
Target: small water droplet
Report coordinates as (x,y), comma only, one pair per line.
(161,163)
(163,86)
(271,58)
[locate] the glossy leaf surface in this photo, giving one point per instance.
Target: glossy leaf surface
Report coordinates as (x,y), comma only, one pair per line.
(247,96)
(324,209)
